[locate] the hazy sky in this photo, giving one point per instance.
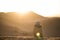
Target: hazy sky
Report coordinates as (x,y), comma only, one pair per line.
(42,7)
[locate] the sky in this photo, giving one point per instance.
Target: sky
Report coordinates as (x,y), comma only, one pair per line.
(47,8)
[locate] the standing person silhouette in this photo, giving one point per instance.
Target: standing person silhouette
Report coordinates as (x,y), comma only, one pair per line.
(38,31)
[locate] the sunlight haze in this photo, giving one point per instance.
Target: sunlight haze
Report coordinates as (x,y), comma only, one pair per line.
(45,8)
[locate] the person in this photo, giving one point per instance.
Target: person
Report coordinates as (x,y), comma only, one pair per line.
(38,31)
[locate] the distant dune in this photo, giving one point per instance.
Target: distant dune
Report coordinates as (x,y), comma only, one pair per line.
(13,24)
(51,27)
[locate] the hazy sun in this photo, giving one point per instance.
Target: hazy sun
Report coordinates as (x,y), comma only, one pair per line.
(42,7)
(21,13)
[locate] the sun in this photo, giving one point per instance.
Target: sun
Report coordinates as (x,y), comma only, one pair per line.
(23,10)
(21,13)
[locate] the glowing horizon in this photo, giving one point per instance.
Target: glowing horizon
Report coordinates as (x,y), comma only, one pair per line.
(45,8)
